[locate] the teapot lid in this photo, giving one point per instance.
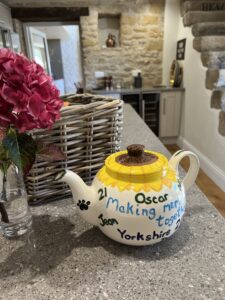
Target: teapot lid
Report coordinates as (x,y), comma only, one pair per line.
(136,169)
(135,161)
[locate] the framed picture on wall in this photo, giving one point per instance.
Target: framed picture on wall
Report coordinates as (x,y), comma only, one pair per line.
(181,49)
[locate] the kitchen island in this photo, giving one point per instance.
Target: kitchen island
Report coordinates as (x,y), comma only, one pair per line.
(66,258)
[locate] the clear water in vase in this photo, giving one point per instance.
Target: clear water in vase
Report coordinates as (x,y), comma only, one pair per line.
(15,216)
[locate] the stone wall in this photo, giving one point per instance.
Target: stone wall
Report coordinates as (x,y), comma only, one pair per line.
(141,43)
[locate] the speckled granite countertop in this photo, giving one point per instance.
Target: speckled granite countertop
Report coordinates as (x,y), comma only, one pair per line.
(66,258)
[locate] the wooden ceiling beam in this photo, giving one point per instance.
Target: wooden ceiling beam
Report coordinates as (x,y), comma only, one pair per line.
(46,14)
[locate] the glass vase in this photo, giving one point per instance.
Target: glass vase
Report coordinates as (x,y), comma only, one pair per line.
(15,216)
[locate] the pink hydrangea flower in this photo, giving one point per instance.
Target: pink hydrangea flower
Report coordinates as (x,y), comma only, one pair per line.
(28,98)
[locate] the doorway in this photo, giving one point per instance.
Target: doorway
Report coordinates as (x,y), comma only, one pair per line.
(57,48)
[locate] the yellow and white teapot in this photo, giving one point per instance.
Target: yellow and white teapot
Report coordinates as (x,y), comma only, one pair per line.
(137,198)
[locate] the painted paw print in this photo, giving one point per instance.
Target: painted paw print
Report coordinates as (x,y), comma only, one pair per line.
(83,205)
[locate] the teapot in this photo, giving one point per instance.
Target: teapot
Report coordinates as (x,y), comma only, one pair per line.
(137,197)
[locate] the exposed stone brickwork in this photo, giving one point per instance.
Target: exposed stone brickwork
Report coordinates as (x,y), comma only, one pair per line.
(212,76)
(208,21)
(203,5)
(213,60)
(141,43)
(222,123)
(209,28)
(216,99)
(209,43)
(193,17)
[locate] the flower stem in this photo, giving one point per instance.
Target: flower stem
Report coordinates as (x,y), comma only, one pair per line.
(3,195)
(3,199)
(4,214)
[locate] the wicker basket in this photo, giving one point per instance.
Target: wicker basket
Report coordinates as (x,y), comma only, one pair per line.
(88,131)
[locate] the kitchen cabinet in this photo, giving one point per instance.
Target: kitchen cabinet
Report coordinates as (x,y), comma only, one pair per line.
(5,17)
(159,108)
(170,114)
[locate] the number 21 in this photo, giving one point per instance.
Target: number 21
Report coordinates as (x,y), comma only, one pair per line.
(102,193)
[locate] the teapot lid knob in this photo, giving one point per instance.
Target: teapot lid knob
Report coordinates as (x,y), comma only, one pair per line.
(136,150)
(136,156)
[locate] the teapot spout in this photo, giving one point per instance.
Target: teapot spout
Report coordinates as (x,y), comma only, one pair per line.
(84,196)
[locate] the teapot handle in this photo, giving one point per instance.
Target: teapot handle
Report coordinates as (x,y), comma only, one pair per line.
(192,173)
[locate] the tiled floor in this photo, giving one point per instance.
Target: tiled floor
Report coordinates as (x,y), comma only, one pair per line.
(208,187)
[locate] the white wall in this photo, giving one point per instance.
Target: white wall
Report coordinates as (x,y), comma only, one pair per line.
(171,21)
(199,124)
(60,84)
(71,56)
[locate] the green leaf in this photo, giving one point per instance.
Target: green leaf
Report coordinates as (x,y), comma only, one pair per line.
(21,149)
(49,152)
(28,150)
(3,153)
(4,161)
(11,145)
